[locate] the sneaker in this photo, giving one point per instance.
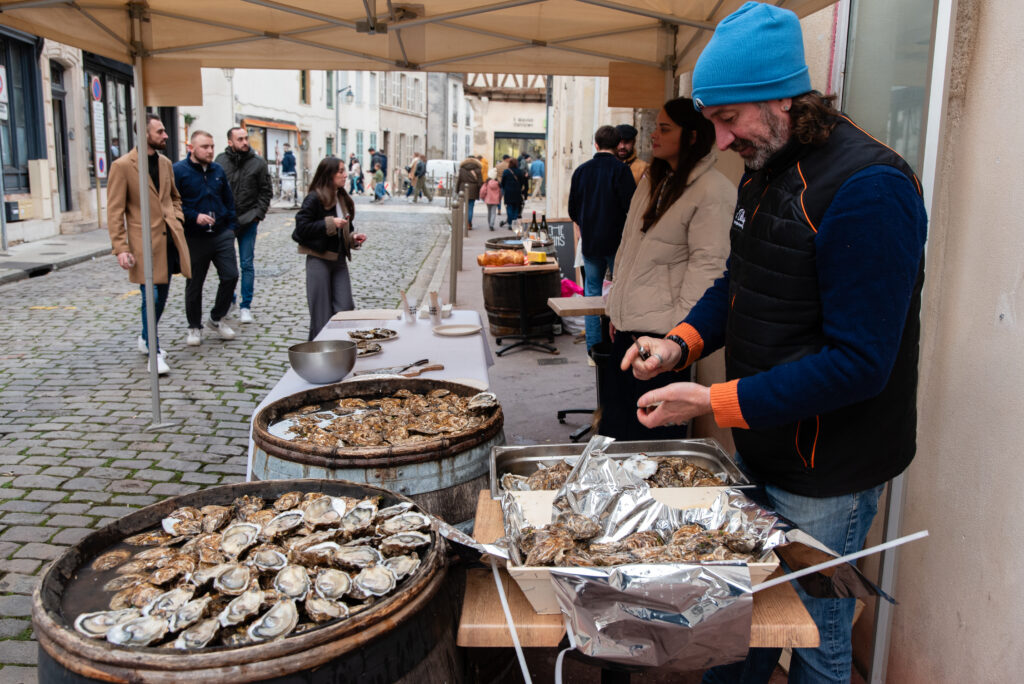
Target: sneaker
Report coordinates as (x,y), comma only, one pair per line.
(142,345)
(195,337)
(245,316)
(161,364)
(221,328)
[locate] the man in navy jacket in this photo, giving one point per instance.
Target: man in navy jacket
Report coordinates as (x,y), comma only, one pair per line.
(210,225)
(599,198)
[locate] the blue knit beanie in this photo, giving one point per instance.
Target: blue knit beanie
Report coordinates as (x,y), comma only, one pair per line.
(756,54)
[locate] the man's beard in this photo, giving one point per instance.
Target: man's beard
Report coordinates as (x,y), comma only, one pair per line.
(778,136)
(158,144)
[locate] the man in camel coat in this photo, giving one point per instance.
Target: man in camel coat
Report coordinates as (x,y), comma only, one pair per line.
(124,221)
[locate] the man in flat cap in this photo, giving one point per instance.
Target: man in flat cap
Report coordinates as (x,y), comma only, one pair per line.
(818,310)
(626,152)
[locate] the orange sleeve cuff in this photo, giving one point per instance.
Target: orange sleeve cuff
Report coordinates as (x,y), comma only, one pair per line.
(693,340)
(725,404)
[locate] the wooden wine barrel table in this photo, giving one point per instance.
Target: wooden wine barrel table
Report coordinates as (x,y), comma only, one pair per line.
(515,298)
(779,619)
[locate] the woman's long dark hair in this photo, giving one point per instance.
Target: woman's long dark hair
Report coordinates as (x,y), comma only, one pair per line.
(323,185)
(660,173)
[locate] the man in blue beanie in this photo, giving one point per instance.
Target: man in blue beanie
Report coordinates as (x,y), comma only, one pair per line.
(818,310)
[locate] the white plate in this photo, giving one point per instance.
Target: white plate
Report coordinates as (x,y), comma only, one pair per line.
(457,329)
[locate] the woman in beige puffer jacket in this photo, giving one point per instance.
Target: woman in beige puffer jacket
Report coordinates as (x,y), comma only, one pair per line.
(674,245)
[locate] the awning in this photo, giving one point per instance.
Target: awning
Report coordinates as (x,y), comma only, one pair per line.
(267,123)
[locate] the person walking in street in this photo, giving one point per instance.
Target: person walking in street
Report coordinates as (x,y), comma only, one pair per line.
(420,174)
(210,226)
(324,231)
(512,182)
(674,245)
(378,184)
(355,176)
(252,190)
(470,179)
(537,178)
(599,196)
(626,151)
(490,194)
(818,311)
(289,178)
(124,222)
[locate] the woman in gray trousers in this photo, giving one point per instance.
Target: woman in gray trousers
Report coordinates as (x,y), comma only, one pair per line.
(323,229)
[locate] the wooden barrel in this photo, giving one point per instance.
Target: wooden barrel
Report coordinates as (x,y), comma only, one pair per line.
(407,637)
(504,302)
(548,247)
(444,475)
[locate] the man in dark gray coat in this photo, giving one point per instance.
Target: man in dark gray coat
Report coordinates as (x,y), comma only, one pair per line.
(250,184)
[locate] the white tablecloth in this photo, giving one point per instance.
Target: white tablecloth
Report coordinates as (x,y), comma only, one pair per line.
(464,358)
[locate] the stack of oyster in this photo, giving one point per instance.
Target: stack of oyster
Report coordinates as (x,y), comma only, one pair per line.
(566,542)
(403,418)
(250,572)
(657,471)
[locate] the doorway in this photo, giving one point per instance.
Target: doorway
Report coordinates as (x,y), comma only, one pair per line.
(60,135)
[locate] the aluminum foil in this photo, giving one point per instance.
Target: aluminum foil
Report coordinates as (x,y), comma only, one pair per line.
(679,615)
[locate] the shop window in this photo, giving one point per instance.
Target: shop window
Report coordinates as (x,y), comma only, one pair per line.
(359,144)
(117,106)
(330,89)
(22,131)
(304,87)
(343,143)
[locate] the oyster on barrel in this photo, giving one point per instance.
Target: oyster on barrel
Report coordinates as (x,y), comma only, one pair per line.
(357,556)
(96,625)
(403,522)
(276,622)
(323,610)
(141,631)
(198,635)
(167,604)
(376,580)
(403,542)
(237,538)
(403,566)
(189,614)
(332,584)
(292,581)
(110,560)
(241,607)
(233,579)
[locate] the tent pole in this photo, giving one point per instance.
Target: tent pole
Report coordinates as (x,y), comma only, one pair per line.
(141,128)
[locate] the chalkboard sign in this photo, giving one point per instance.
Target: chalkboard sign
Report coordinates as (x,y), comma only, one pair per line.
(561,234)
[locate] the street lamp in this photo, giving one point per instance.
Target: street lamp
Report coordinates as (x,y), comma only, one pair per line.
(350,97)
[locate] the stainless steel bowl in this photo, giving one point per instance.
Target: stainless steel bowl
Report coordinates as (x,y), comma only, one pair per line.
(323,361)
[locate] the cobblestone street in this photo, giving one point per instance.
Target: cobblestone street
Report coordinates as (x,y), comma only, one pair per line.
(75,393)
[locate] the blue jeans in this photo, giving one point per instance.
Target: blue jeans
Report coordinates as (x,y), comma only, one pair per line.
(840,523)
(593,280)
(159,301)
(512,212)
(378,191)
(469,211)
(246,255)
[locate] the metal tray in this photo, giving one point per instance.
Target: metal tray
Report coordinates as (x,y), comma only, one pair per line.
(525,460)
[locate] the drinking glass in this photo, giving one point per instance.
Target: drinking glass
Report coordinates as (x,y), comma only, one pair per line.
(213,215)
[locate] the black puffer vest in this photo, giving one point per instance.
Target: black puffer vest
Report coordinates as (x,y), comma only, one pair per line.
(775,317)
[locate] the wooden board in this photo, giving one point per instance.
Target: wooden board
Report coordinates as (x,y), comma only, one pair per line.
(550,266)
(779,618)
(564,240)
(577,306)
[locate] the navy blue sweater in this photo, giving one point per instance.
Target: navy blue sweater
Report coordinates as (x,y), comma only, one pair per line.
(599,198)
(869,247)
(203,192)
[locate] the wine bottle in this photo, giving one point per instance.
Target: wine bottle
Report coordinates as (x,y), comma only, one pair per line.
(544,228)
(534,228)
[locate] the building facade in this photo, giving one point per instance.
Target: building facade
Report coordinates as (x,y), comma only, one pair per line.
(450,121)
(403,120)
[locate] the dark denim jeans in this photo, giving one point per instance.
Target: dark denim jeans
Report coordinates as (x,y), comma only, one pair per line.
(841,523)
(217,248)
(160,291)
(246,238)
(593,280)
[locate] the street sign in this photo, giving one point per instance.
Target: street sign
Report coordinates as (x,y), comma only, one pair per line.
(99,139)
(96,89)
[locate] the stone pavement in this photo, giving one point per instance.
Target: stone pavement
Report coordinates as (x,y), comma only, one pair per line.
(75,399)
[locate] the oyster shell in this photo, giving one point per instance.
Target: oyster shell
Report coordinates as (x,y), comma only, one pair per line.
(124,582)
(357,556)
(640,465)
(198,635)
(511,482)
(549,546)
(322,512)
(293,581)
(268,558)
(484,401)
(403,566)
(578,526)
(277,622)
(189,613)
(376,580)
(154,555)
(111,560)
(122,599)
(319,554)
(404,522)
(181,526)
(332,584)
(359,518)
(281,523)
(144,593)
(241,607)
(403,542)
(237,538)
(287,501)
(167,604)
(391,511)
(233,579)
(141,631)
(215,517)
(151,538)
(247,505)
(96,625)
(206,574)
(323,610)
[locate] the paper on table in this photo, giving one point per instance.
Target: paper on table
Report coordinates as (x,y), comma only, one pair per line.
(367,315)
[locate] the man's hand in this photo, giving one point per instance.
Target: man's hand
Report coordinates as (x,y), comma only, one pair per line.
(125,260)
(673,404)
(205,220)
(664,356)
